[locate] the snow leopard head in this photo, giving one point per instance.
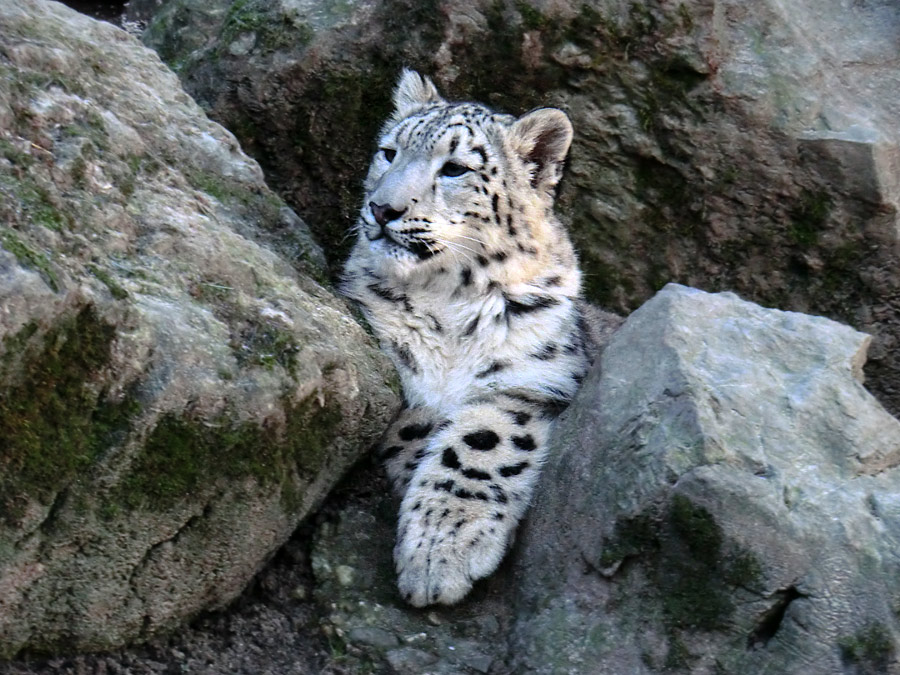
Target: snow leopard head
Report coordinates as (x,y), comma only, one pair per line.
(459,182)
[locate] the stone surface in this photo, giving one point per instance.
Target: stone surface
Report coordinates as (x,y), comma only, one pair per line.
(728,505)
(178,385)
(716,145)
(363,613)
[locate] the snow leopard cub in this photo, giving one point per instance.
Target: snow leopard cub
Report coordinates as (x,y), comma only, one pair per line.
(470,284)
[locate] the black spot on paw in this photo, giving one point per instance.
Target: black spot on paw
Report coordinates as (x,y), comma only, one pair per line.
(391,452)
(413,432)
(476,474)
(520,417)
(525,443)
(484,439)
(446,486)
(513,470)
(450,459)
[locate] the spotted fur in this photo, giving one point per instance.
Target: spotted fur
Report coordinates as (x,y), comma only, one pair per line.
(470,283)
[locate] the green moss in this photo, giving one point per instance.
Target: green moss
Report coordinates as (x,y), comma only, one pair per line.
(39,262)
(266,344)
(32,200)
(697,528)
(53,425)
(872,649)
(693,569)
(808,218)
(273,30)
(637,536)
(744,571)
(677,656)
(532,18)
(687,21)
(26,83)
(183,456)
(117,291)
(14,344)
(221,187)
(690,574)
(90,127)
(14,155)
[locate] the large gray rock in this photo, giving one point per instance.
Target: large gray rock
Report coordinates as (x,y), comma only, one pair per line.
(723,499)
(177,386)
(718,145)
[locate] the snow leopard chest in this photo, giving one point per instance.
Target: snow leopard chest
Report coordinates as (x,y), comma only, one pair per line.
(452,348)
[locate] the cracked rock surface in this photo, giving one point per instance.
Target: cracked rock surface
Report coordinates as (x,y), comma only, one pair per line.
(178,385)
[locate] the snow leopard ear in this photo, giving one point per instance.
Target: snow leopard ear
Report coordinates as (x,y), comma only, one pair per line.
(413,92)
(542,138)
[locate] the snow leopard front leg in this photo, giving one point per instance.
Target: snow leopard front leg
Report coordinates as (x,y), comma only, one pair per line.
(468,492)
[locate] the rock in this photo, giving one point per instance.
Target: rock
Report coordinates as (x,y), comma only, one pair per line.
(369,620)
(179,386)
(715,146)
(722,499)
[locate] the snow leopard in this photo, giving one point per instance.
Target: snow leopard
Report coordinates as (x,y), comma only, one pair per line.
(471,285)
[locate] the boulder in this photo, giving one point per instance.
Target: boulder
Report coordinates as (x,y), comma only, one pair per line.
(723,499)
(179,385)
(719,146)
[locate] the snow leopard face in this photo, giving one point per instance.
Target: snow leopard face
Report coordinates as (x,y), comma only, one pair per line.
(441,183)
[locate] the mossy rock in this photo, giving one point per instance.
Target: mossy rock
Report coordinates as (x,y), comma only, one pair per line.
(179,384)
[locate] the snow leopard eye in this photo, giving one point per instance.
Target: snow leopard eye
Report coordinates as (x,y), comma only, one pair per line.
(452,169)
(389,154)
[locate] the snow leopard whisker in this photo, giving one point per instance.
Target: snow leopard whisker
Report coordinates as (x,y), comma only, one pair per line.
(467,253)
(475,239)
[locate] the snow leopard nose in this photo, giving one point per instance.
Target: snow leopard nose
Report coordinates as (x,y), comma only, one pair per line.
(384,213)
